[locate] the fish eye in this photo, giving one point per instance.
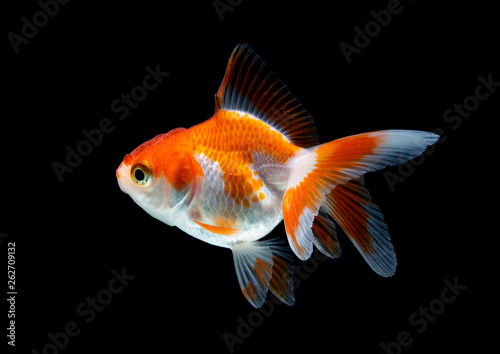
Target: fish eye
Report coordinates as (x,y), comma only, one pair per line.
(141,174)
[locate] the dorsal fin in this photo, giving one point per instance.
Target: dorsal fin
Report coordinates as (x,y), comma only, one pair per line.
(252,87)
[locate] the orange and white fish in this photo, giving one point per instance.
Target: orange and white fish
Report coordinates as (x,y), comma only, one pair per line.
(230,180)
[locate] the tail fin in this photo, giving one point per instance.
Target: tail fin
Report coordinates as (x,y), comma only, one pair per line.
(350,205)
(264,265)
(327,177)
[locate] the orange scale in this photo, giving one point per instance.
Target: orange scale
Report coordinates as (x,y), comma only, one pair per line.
(248,189)
(234,191)
(248,174)
(257,184)
(241,191)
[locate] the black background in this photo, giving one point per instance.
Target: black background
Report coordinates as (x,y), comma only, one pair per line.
(70,235)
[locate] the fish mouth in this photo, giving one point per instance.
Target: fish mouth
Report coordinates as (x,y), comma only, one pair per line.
(120,174)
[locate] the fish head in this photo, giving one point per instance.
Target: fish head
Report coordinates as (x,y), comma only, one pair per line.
(161,176)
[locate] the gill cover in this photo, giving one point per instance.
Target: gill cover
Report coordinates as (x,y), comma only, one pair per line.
(180,169)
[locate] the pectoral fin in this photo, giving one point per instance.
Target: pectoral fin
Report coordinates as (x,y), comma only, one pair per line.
(219,230)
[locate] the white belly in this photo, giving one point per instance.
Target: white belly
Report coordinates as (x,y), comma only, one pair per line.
(254,218)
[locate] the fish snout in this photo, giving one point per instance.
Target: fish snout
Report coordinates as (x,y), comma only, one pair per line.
(121,174)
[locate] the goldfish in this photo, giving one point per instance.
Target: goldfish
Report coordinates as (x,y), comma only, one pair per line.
(230,180)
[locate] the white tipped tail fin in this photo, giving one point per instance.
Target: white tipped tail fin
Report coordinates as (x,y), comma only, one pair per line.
(333,183)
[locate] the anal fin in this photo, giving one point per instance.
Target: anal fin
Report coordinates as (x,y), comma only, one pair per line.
(264,265)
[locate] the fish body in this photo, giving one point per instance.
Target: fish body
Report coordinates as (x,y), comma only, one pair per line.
(231,179)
